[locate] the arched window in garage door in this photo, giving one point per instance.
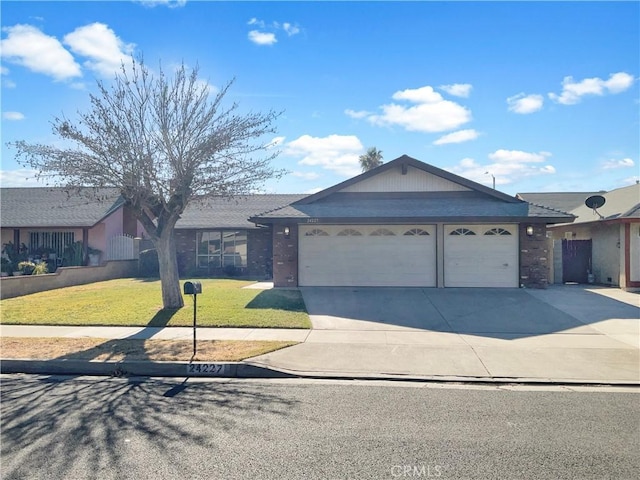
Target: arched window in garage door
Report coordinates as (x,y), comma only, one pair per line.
(497,231)
(349,232)
(316,232)
(416,232)
(462,231)
(382,232)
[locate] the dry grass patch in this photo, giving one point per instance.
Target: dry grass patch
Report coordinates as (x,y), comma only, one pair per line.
(101,349)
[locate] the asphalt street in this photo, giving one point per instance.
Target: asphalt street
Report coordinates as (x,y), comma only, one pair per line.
(119,428)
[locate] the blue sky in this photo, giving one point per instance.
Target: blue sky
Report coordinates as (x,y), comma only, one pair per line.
(544,96)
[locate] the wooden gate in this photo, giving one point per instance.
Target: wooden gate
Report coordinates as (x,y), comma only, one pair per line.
(576,261)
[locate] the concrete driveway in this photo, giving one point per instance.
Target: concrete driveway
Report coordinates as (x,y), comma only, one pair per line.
(564,333)
(490,312)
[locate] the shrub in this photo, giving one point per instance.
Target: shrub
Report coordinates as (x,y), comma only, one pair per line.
(40,268)
(26,267)
(148,265)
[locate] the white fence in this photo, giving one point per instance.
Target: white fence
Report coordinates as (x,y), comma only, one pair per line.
(121,247)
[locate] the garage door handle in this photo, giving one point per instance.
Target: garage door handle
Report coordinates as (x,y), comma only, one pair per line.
(505,264)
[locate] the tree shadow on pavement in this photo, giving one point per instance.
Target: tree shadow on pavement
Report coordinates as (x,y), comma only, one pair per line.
(64,427)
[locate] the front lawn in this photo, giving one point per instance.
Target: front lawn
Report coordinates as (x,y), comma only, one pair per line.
(138,302)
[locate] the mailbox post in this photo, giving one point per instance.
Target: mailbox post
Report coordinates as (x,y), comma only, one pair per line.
(193,288)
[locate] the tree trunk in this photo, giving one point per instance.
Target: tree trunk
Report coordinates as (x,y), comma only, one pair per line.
(168,262)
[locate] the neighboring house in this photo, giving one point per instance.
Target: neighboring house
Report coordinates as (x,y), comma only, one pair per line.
(52,219)
(407,223)
(214,237)
(601,246)
(563,201)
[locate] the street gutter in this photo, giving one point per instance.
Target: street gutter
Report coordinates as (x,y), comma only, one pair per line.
(129,368)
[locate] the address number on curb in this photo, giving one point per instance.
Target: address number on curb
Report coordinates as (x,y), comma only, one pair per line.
(205,369)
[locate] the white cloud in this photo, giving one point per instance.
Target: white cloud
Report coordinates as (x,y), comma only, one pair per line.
(19,178)
(266,37)
(255,21)
(457,137)
(457,89)
(431,114)
(6,83)
(631,180)
(166,3)
(337,153)
(509,156)
(12,116)
(306,175)
(357,114)
(105,50)
(311,191)
(262,38)
(572,92)
(525,104)
(290,29)
(27,46)
(508,166)
(275,142)
(614,163)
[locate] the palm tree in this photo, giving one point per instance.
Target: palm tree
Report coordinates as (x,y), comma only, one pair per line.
(371,159)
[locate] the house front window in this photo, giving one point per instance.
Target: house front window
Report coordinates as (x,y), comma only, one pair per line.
(219,249)
(56,242)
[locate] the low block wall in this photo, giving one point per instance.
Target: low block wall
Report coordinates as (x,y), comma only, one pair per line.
(66,277)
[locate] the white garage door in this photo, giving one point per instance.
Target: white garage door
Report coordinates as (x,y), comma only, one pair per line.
(367,255)
(481,255)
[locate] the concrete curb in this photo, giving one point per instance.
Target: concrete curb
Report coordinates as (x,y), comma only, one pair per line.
(254,370)
(138,369)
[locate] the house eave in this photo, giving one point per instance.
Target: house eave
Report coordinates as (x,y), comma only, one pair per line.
(404,220)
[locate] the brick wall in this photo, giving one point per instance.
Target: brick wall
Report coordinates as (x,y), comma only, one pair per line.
(258,254)
(285,256)
(534,256)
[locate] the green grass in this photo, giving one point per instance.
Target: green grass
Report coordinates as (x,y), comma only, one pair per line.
(137,302)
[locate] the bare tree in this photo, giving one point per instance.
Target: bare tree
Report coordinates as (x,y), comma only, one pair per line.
(371,159)
(162,142)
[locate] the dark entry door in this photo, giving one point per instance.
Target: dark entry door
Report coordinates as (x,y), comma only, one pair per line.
(576,260)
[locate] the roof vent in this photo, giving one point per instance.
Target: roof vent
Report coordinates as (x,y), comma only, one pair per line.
(404,168)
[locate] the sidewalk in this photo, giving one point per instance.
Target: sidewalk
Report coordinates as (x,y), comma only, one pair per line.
(596,341)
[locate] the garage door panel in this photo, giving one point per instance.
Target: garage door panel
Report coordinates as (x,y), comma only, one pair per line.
(486,258)
(381,256)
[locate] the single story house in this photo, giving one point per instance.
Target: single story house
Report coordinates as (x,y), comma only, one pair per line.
(603,245)
(407,223)
(52,219)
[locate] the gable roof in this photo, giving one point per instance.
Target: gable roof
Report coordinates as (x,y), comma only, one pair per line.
(403,163)
(451,198)
(563,201)
(56,207)
(621,203)
(224,212)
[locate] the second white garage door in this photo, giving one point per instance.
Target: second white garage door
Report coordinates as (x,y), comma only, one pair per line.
(480,255)
(367,255)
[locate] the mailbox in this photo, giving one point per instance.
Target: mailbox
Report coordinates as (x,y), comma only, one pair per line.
(192,288)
